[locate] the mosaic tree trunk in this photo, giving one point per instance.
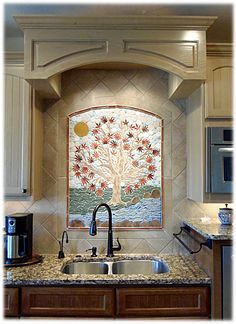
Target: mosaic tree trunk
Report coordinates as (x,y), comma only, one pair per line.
(116,192)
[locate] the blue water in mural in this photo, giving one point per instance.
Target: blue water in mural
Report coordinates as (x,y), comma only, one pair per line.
(146,210)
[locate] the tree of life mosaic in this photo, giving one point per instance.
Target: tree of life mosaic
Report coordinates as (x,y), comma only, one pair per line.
(115,157)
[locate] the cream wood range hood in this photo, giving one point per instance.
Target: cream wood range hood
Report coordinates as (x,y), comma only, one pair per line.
(54,44)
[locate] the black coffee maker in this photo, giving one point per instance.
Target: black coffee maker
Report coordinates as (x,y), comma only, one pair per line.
(18,239)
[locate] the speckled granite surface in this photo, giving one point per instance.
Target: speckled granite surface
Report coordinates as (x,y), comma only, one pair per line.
(211,230)
(182,270)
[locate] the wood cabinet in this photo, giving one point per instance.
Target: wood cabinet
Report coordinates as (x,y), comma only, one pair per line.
(219,87)
(164,302)
(17,140)
(131,301)
(212,262)
(11,302)
(51,301)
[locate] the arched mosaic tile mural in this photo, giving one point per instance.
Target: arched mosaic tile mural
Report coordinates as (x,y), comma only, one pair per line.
(115,157)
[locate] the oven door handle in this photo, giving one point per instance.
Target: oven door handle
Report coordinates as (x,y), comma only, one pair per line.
(225,149)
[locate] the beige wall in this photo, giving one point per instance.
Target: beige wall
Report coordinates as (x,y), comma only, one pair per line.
(144,89)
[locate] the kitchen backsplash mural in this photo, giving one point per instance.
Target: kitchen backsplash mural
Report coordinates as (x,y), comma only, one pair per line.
(115,157)
(145,89)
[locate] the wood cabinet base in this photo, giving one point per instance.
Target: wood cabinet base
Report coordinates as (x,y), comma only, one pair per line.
(11,302)
(168,301)
(133,301)
(45,301)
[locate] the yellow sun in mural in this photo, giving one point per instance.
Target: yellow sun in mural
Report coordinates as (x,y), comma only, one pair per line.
(81,129)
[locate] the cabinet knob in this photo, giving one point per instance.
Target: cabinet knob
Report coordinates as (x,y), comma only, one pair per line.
(24,190)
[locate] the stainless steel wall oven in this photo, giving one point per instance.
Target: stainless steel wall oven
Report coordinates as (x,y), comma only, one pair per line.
(219,159)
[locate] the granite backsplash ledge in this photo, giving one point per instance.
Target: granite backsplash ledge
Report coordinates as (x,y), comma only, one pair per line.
(210,230)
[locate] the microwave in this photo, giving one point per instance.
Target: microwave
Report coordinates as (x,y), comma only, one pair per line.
(219,160)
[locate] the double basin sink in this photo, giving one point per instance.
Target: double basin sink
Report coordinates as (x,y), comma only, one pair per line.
(127,267)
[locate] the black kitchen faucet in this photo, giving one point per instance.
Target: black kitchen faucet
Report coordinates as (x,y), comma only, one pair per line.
(93,230)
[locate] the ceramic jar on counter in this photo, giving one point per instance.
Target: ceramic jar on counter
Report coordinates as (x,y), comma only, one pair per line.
(225,215)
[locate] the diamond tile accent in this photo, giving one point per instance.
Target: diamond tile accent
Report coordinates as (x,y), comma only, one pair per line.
(86,80)
(178,137)
(50,160)
(129,245)
(77,246)
(41,211)
(130,91)
(179,187)
(188,207)
(100,74)
(52,110)
(43,241)
(50,131)
(50,224)
(158,245)
(143,81)
(101,90)
(72,94)
(115,80)
(175,248)
(143,248)
(180,122)
(128,74)
(179,159)
(11,207)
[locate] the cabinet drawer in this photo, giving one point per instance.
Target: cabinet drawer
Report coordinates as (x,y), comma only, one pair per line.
(44,301)
(171,301)
(11,301)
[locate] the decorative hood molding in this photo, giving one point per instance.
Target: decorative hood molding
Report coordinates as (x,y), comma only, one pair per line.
(54,44)
(115,22)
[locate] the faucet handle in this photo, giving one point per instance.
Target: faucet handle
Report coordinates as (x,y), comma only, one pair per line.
(117,248)
(94,251)
(93,228)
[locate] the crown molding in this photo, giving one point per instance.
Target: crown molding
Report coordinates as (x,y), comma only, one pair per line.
(14,57)
(121,22)
(219,49)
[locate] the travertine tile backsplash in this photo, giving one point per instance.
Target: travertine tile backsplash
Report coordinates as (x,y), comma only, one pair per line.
(144,89)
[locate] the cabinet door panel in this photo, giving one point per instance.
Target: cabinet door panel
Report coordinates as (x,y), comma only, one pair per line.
(219,94)
(16,131)
(163,301)
(11,302)
(54,301)
(222,89)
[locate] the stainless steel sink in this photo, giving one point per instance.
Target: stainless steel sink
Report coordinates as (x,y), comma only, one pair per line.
(139,267)
(85,268)
(129,267)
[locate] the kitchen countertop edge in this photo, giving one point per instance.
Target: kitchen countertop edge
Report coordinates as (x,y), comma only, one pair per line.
(182,271)
(209,230)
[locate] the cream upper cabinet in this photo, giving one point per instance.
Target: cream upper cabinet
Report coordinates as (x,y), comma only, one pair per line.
(196,149)
(16,132)
(219,92)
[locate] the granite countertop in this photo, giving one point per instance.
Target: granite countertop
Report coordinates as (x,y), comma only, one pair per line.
(210,229)
(182,270)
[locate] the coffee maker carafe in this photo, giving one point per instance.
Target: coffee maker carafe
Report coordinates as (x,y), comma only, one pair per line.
(18,245)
